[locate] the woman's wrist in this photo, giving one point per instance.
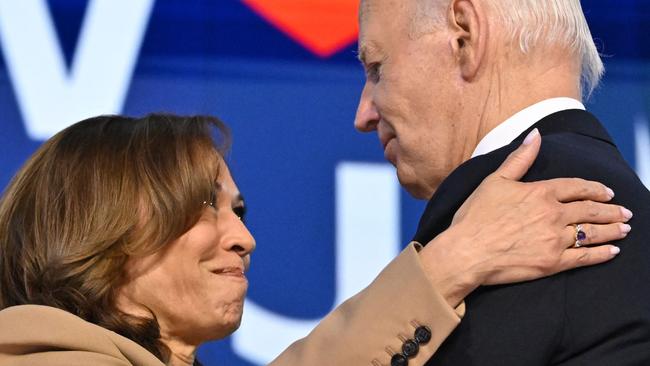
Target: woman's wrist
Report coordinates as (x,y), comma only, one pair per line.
(452,271)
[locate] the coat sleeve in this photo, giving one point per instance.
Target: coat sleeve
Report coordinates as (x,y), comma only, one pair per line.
(381,321)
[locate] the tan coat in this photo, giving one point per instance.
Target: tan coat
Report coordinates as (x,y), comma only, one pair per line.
(365,330)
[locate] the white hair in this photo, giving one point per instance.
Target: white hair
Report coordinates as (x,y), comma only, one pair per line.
(540,23)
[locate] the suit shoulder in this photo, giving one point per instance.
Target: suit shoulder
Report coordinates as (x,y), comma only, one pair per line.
(574,155)
(49,326)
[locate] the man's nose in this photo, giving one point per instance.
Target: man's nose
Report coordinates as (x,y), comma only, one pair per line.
(367,115)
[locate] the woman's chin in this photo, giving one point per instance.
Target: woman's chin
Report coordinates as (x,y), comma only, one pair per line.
(222,331)
(226,323)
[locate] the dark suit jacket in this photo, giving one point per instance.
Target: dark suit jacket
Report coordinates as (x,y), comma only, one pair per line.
(591,316)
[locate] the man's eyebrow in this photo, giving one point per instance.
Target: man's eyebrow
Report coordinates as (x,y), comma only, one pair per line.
(364,50)
(361,54)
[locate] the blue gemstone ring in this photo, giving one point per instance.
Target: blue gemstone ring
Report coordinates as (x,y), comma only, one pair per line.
(580,236)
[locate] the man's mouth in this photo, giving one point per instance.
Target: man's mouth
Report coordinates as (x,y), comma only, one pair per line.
(385,134)
(390,152)
(384,140)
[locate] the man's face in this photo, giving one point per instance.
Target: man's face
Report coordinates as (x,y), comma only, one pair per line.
(412,96)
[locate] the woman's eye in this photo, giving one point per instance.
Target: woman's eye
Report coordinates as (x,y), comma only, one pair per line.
(240,211)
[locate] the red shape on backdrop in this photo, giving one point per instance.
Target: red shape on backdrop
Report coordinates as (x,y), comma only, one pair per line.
(322,26)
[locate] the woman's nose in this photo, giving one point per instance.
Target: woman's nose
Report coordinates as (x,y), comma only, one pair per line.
(242,241)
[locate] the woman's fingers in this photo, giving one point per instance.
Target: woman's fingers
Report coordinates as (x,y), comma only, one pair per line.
(597,234)
(520,160)
(508,231)
(582,257)
(594,212)
(577,189)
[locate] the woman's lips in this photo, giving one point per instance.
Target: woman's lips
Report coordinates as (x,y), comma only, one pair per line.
(235,272)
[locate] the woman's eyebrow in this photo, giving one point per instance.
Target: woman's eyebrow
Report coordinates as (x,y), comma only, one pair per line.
(239,198)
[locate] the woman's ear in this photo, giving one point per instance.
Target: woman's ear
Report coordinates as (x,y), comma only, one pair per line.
(469,31)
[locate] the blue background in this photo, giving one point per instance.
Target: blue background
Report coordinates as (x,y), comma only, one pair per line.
(291,115)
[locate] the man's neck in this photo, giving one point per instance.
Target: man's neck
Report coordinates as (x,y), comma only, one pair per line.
(506,132)
(518,82)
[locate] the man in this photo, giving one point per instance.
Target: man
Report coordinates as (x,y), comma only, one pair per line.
(452,87)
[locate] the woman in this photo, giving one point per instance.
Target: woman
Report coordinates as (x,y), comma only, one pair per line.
(122,244)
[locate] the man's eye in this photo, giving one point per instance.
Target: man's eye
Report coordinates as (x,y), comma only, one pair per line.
(240,211)
(373,72)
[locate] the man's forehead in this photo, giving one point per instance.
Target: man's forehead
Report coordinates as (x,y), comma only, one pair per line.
(364,7)
(379,18)
(383,10)
(372,7)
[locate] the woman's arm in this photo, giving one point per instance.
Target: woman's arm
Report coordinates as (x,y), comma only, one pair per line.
(373,325)
(505,232)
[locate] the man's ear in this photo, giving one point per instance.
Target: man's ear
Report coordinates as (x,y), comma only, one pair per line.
(469,32)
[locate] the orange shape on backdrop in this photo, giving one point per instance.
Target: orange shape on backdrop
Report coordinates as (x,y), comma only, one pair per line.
(322,26)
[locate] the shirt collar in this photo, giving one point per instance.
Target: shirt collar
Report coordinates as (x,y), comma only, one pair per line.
(507,131)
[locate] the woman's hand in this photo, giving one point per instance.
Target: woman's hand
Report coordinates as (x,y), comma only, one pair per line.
(508,231)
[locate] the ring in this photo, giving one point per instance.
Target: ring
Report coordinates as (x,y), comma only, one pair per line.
(580,236)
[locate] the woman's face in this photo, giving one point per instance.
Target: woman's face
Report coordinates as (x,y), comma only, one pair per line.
(196,285)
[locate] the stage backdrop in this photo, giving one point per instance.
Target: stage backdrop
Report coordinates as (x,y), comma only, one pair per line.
(326,210)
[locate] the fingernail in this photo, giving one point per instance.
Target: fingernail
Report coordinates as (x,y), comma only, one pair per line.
(531,137)
(610,192)
(615,250)
(626,213)
(625,229)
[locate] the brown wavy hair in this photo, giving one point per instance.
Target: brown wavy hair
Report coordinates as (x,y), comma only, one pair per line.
(97,193)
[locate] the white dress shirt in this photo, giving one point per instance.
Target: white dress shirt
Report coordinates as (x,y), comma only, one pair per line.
(507,131)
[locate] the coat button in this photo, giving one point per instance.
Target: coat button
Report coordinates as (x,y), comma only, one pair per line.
(410,348)
(399,359)
(423,334)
